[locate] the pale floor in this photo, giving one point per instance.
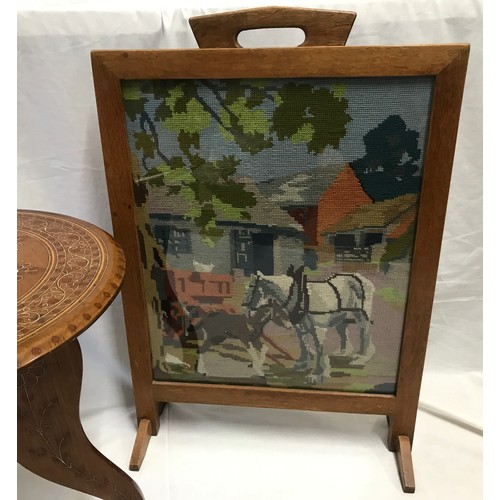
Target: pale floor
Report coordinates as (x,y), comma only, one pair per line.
(208,452)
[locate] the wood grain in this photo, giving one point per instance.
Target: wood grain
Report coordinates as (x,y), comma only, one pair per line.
(140,445)
(120,191)
(280,62)
(438,163)
(321,27)
(272,397)
(50,439)
(405,464)
(68,272)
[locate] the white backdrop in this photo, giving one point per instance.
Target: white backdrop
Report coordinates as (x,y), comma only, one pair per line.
(208,452)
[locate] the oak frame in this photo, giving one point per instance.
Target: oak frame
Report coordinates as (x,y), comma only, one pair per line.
(447,63)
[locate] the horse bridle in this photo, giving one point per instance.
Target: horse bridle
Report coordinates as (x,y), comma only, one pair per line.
(248,303)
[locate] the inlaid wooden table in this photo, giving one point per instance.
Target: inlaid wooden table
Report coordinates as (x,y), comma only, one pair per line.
(68,273)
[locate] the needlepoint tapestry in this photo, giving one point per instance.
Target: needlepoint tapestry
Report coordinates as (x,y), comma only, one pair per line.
(275,222)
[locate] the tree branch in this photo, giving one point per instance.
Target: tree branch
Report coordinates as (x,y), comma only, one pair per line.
(217,95)
(145,118)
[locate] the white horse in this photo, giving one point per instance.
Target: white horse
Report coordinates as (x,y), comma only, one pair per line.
(315,306)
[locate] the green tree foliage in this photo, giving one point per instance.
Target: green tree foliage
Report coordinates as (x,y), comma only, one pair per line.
(389,167)
(252,114)
(316,116)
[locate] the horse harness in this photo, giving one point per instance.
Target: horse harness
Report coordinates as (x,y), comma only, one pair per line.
(297,309)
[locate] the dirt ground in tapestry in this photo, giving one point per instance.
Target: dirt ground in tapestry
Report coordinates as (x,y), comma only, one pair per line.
(377,375)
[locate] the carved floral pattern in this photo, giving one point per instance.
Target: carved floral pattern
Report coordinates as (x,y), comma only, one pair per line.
(76,256)
(25,268)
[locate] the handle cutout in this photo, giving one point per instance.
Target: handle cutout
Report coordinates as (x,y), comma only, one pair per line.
(274,37)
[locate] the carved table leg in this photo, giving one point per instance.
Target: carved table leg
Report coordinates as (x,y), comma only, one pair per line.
(50,438)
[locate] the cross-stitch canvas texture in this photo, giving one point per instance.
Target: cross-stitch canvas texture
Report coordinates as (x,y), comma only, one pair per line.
(275,221)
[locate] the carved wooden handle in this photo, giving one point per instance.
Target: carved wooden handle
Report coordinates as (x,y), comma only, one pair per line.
(321,27)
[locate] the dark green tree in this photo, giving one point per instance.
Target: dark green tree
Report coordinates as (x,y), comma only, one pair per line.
(253,114)
(389,167)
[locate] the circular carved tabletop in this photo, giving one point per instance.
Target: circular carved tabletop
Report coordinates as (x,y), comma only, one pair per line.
(68,272)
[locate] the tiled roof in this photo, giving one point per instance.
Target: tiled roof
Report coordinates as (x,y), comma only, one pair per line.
(378,214)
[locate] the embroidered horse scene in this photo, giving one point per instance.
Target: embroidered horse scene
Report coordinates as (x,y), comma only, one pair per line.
(275,224)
